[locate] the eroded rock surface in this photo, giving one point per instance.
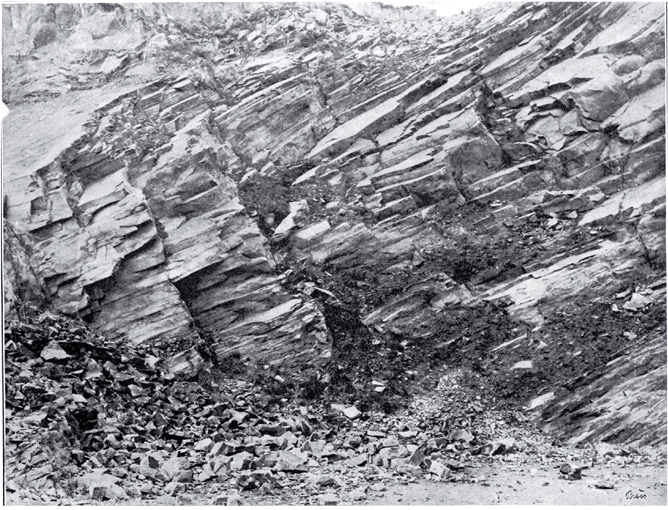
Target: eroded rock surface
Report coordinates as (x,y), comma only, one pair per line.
(503,163)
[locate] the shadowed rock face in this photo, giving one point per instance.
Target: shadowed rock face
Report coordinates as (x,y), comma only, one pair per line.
(512,156)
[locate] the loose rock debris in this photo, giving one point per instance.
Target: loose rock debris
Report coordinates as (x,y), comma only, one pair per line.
(104,422)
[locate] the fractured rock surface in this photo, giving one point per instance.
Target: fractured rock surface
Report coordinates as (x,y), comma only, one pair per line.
(415,142)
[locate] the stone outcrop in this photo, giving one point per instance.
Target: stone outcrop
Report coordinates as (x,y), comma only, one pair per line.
(414,144)
(607,410)
(141,233)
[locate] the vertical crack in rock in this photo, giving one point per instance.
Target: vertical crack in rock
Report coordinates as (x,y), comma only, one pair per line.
(150,224)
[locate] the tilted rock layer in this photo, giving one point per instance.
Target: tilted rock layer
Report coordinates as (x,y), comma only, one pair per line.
(168,169)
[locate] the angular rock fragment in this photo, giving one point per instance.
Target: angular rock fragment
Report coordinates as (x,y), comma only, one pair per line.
(352,413)
(53,352)
(292,461)
(637,302)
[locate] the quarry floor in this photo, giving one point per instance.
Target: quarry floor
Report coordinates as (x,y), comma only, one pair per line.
(500,484)
(536,485)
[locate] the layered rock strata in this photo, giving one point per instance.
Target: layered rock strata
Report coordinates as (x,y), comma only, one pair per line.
(137,229)
(536,127)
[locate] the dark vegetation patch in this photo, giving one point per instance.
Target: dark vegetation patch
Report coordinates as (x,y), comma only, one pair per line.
(479,251)
(573,346)
(266,197)
(576,342)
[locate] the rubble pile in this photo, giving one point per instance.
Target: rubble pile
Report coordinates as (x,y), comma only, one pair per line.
(92,420)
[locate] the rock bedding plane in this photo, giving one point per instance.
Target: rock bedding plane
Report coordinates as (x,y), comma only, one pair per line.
(338,207)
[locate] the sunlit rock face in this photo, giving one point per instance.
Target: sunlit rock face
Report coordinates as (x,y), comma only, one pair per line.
(169,169)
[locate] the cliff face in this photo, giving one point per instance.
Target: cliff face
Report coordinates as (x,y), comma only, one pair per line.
(489,188)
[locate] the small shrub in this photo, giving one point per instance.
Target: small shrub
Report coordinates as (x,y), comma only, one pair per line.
(267,195)
(313,388)
(231,365)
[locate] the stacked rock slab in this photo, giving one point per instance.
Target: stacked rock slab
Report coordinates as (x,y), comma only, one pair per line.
(542,115)
(400,134)
(137,230)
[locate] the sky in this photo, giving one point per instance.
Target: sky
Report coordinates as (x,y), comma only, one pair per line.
(442,7)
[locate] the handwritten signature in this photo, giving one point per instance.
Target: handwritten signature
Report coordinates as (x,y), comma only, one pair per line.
(635,495)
